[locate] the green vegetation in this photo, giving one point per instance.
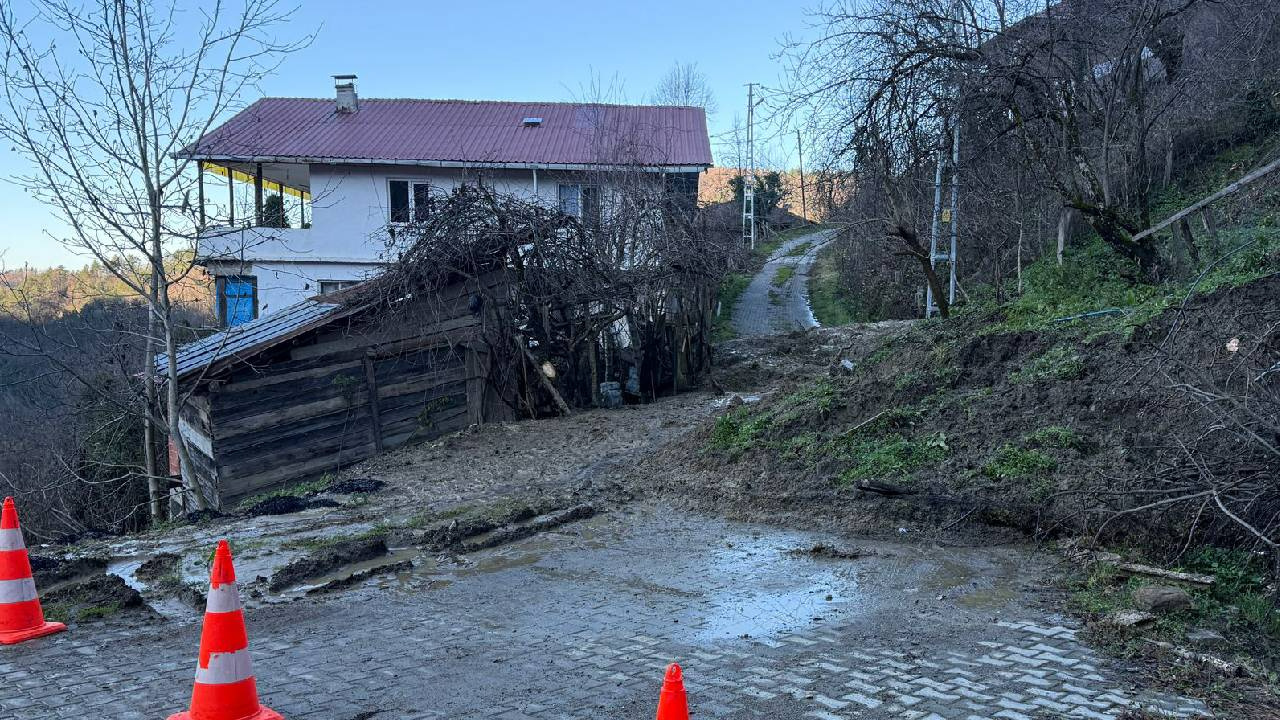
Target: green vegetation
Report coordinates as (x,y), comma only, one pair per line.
(894,457)
(1014,463)
(302,489)
(800,249)
(731,288)
(782,275)
(72,612)
(831,305)
(1058,363)
(1093,277)
(1237,604)
(1057,436)
(737,431)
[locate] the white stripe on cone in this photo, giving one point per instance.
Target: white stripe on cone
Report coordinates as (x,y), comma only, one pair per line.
(226,668)
(16,591)
(11,539)
(224,598)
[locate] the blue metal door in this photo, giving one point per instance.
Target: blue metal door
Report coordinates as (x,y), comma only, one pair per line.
(238,300)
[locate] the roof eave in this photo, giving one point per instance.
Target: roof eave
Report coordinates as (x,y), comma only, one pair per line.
(285,159)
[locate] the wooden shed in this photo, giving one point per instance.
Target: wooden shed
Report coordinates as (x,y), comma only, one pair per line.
(329,382)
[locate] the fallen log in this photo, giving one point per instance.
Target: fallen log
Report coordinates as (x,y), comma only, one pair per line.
(1226,667)
(886,489)
(1140,569)
(1132,568)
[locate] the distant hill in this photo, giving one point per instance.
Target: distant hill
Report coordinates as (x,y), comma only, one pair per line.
(823,191)
(53,292)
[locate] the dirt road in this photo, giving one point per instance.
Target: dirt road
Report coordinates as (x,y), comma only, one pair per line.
(578,618)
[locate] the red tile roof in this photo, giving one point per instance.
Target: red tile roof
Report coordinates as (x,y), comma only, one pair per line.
(460,132)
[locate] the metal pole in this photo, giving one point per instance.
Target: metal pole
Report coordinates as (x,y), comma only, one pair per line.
(804,203)
(955,203)
(231,197)
(200,190)
(929,305)
(749,180)
(257,194)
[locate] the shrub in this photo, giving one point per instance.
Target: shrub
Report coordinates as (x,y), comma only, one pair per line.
(1059,363)
(1015,463)
(894,456)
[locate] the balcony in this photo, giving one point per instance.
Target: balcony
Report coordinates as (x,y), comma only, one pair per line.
(263,216)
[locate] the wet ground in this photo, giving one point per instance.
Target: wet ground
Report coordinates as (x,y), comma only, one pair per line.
(765,308)
(579,622)
(578,619)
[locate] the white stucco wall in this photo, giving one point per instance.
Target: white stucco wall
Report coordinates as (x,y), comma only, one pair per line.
(349,213)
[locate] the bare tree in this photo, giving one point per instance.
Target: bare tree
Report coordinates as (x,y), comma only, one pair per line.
(1090,92)
(685,84)
(99,99)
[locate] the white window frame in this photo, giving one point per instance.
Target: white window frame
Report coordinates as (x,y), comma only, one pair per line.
(412,184)
(342,285)
(581,213)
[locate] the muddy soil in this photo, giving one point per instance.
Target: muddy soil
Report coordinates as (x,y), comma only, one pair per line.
(352,486)
(49,571)
(93,597)
(327,559)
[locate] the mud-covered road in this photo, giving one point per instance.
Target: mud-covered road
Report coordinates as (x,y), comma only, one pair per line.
(530,571)
(767,307)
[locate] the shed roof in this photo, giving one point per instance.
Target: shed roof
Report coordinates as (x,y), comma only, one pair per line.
(463,132)
(244,341)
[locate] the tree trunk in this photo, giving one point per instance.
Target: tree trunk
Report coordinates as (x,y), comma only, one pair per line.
(155,485)
(909,238)
(1064,229)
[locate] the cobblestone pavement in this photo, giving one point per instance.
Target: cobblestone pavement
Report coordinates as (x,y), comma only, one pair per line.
(579,624)
(764,308)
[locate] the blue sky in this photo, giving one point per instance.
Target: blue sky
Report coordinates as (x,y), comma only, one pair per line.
(490,49)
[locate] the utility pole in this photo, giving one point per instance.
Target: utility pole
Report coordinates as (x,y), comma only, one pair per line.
(948,216)
(804,203)
(749,177)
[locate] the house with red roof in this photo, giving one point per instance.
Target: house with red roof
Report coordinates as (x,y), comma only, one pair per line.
(301,197)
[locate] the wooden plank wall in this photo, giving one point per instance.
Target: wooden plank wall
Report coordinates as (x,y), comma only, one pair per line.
(345,393)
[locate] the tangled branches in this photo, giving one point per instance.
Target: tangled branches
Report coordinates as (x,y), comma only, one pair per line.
(623,295)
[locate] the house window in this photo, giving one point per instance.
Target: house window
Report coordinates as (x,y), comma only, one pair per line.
(581,201)
(409,200)
(237,299)
(333,286)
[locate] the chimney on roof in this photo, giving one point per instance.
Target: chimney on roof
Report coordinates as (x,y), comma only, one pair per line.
(345,88)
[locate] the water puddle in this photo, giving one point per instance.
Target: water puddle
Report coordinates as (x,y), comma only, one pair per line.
(768,590)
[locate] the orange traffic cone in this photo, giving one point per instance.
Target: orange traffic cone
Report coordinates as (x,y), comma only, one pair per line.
(20,615)
(672,703)
(224,688)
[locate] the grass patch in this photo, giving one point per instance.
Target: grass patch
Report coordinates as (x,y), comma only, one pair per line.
(301,489)
(893,457)
(782,275)
(800,249)
(1020,464)
(731,289)
(831,304)
(1060,362)
(1057,436)
(749,427)
(736,431)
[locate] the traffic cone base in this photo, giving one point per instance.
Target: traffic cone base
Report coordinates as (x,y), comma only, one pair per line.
(264,713)
(39,631)
(21,618)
